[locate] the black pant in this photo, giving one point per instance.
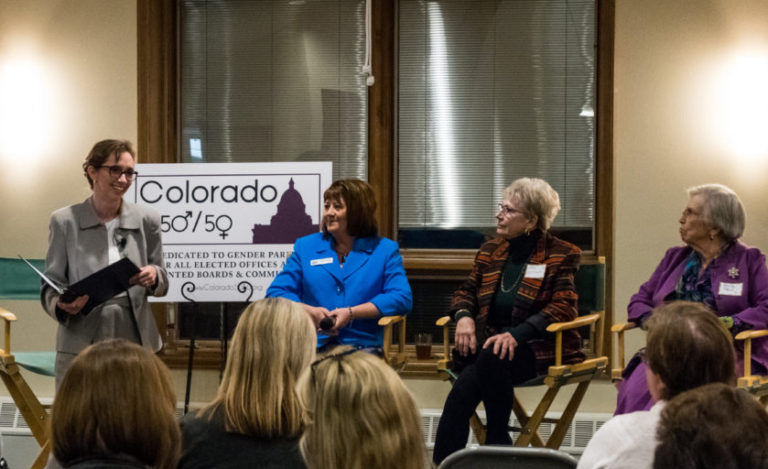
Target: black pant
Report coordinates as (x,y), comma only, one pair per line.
(490,380)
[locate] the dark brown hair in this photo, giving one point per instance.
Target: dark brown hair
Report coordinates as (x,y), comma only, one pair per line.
(361,205)
(101,152)
(712,426)
(688,347)
(116,399)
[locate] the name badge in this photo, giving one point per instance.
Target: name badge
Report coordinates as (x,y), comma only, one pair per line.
(731,289)
(323,261)
(535,270)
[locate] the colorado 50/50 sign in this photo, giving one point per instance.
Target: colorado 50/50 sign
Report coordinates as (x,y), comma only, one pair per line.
(229,228)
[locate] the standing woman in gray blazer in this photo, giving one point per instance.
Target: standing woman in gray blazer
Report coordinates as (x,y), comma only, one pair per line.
(87,237)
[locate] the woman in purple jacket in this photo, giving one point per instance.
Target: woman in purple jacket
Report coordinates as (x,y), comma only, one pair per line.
(714,268)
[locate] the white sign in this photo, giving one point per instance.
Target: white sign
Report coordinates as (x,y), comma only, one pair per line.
(228,228)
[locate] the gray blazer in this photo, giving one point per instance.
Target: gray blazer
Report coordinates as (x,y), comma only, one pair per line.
(77,247)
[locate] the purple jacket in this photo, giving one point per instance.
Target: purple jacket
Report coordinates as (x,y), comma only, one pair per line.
(739,284)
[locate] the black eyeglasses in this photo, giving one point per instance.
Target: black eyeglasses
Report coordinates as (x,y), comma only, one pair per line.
(115,171)
(336,356)
(507,211)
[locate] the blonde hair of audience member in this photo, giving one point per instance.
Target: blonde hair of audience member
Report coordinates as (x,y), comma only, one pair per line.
(361,416)
(273,343)
(712,426)
(116,399)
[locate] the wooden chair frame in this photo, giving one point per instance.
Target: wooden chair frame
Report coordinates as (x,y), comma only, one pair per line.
(394,359)
(754,384)
(557,376)
(31,409)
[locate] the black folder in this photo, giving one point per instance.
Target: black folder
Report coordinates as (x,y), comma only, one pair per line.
(99,286)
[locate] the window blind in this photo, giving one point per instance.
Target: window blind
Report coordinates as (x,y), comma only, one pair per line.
(490,91)
(268,80)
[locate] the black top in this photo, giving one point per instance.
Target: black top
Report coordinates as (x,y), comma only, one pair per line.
(520,250)
(206,444)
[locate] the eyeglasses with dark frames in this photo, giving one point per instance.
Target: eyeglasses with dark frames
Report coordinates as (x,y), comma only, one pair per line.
(507,211)
(336,356)
(115,171)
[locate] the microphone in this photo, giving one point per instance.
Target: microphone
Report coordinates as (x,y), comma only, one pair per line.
(120,241)
(327,323)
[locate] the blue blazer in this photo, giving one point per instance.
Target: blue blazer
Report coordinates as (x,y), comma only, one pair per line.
(372,272)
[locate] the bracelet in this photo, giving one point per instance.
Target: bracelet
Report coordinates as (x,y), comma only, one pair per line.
(462,313)
(351,316)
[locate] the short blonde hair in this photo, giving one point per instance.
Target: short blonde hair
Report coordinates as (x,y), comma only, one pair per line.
(273,343)
(722,208)
(116,399)
(361,416)
(536,198)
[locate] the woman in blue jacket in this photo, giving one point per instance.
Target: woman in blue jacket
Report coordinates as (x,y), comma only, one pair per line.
(347,273)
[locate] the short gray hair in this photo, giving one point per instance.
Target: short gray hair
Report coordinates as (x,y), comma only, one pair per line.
(722,209)
(537,199)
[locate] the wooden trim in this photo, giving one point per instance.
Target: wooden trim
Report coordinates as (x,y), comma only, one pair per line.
(445,263)
(604,176)
(381,115)
(157,81)
(158,132)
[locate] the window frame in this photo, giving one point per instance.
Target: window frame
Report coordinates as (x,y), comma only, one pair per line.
(158,131)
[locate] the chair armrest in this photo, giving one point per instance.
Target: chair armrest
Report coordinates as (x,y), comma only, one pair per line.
(443,321)
(619,330)
(559,327)
(747,337)
(751,334)
(8,318)
(6,315)
(581,321)
(626,326)
(387,322)
(390,320)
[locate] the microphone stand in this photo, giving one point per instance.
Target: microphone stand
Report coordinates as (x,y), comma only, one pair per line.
(189,287)
(242,287)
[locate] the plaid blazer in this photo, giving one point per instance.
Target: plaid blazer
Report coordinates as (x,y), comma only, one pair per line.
(540,301)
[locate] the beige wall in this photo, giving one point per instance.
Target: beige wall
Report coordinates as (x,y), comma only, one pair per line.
(85,52)
(666,134)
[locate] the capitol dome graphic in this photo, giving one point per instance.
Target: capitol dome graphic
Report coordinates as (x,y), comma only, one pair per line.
(289,223)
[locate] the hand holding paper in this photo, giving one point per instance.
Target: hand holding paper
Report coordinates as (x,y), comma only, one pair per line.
(147,277)
(74,307)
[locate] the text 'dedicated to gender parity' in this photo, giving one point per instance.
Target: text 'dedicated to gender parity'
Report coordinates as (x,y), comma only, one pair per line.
(228,228)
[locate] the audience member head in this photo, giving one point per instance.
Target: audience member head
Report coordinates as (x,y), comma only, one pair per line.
(273,343)
(360,415)
(116,400)
(687,347)
(712,426)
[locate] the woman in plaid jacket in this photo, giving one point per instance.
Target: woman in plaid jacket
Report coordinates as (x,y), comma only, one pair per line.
(521,282)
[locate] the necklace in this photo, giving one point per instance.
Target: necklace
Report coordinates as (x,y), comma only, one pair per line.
(515,284)
(342,257)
